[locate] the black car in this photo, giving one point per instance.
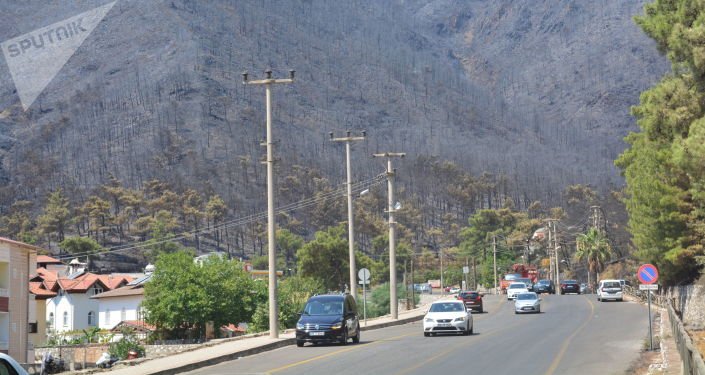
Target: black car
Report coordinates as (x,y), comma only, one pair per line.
(545,286)
(570,286)
(328,318)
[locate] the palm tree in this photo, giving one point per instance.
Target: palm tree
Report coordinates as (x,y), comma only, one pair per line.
(594,248)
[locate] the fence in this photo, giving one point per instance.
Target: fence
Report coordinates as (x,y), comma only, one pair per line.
(690,356)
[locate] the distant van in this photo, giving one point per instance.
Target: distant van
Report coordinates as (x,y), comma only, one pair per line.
(610,290)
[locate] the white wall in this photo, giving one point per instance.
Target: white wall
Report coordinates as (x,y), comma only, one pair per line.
(76,305)
(114,306)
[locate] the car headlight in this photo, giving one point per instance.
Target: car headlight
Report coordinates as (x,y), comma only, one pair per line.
(461,319)
(338,325)
(428,320)
(300,326)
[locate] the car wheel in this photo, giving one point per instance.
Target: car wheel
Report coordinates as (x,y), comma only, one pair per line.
(515,312)
(426,334)
(344,339)
(621,300)
(472,330)
(538,311)
(299,343)
(356,339)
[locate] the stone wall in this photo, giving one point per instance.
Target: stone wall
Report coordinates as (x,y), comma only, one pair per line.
(153,351)
(76,354)
(689,302)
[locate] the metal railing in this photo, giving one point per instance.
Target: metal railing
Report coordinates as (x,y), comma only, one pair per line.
(691,358)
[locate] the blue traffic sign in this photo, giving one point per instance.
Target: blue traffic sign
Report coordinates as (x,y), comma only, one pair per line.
(647,274)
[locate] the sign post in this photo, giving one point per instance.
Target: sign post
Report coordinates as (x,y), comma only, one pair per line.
(648,275)
(364,275)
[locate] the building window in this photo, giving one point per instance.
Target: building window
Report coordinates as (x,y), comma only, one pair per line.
(123,315)
(51,319)
(91,318)
(66,318)
(32,328)
(96,290)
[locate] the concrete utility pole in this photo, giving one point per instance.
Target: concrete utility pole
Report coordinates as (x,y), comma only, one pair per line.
(271,241)
(556,246)
(393,301)
(351,233)
(550,256)
(494,256)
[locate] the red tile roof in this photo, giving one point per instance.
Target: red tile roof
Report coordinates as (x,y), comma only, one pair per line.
(139,325)
(81,283)
(47,259)
(40,291)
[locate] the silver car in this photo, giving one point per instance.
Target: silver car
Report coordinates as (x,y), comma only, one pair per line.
(527,302)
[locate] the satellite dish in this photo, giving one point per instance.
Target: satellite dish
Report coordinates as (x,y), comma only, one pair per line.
(397,206)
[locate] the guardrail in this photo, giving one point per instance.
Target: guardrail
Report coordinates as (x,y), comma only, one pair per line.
(690,356)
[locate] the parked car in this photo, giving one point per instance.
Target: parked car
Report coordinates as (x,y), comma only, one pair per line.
(454,290)
(545,286)
(422,288)
(527,281)
(514,289)
(609,290)
(472,300)
(527,302)
(447,317)
(570,286)
(584,289)
(9,366)
(328,318)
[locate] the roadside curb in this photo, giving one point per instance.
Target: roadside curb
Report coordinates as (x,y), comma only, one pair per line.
(228,357)
(417,314)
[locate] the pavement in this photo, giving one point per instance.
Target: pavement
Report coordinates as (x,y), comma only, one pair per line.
(218,351)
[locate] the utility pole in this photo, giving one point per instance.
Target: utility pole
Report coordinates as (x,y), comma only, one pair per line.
(466,286)
(393,301)
(351,233)
(273,307)
(556,246)
(440,255)
(494,256)
(474,274)
(550,255)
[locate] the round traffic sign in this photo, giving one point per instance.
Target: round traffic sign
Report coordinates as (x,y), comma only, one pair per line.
(363,274)
(647,274)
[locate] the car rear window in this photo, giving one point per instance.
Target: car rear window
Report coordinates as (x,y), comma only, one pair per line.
(570,282)
(525,296)
(612,284)
(468,295)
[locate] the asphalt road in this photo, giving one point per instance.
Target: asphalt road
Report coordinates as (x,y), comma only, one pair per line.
(572,335)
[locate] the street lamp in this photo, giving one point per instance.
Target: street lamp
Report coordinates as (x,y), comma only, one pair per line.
(273,307)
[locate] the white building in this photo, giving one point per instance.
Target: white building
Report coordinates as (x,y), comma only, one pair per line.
(123,304)
(73,308)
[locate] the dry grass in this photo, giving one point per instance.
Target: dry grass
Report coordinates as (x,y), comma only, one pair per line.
(698,338)
(641,364)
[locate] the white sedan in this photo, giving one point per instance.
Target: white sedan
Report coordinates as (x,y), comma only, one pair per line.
(516,288)
(447,317)
(527,302)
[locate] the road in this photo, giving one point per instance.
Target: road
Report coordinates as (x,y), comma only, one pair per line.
(573,335)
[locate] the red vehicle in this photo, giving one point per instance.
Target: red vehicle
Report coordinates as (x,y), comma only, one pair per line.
(519,271)
(472,300)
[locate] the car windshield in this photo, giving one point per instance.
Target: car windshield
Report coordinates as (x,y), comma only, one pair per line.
(543,282)
(527,296)
(517,286)
(323,307)
(447,307)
